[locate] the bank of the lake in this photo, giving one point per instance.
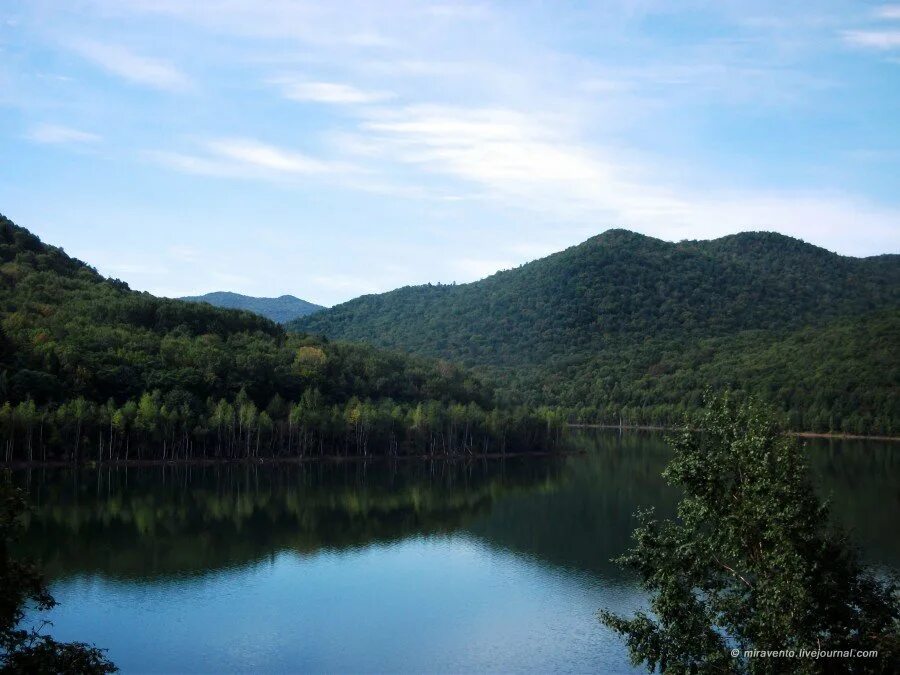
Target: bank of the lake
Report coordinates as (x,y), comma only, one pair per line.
(288,459)
(797,434)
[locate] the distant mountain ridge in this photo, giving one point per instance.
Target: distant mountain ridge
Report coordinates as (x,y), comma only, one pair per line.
(282,309)
(620,284)
(626,322)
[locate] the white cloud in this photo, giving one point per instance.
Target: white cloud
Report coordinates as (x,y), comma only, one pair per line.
(527,162)
(247,158)
(888,12)
(873,39)
(538,126)
(327,92)
(514,157)
(263,156)
(58,134)
(830,219)
(120,61)
(194,164)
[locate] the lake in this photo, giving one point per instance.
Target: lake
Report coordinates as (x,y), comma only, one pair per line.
(413,566)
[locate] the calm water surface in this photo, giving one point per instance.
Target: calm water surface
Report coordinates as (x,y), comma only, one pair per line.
(407,566)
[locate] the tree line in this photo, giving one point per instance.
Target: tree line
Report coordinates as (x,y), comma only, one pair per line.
(91,370)
(157,427)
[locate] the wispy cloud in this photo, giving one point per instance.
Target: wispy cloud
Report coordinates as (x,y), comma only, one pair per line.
(327,92)
(888,12)
(873,39)
(124,63)
(256,154)
(530,162)
(472,135)
(60,135)
(881,35)
(524,161)
(515,157)
(248,158)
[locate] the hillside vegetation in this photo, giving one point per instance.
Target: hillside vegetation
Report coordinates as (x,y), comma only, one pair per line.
(627,328)
(89,366)
(280,310)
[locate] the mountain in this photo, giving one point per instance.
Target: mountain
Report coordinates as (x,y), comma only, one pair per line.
(630,327)
(280,310)
(89,365)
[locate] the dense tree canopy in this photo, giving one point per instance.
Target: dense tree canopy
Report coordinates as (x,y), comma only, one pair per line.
(86,361)
(632,328)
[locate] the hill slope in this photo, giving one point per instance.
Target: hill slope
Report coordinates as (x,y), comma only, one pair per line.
(85,362)
(609,325)
(280,310)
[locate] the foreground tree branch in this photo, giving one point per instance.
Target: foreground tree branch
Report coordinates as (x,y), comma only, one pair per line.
(22,587)
(748,499)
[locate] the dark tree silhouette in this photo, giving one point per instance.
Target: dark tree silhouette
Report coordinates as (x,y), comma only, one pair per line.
(24,650)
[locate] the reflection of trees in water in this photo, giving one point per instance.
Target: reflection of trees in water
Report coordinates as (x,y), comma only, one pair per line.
(588,519)
(136,523)
(862,481)
(574,512)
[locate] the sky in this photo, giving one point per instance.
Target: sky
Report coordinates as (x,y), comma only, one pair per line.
(332,149)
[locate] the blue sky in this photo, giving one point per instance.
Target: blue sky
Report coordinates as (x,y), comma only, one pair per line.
(329,149)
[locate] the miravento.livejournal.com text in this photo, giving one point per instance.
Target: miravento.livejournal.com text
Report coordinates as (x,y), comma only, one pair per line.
(805,653)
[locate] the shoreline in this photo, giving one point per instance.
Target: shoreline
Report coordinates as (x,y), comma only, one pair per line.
(340,459)
(797,434)
(260,461)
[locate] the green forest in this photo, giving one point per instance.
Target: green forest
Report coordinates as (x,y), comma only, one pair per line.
(91,370)
(626,329)
(623,329)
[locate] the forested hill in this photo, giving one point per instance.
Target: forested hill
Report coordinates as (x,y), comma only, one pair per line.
(84,359)
(280,310)
(608,325)
(619,284)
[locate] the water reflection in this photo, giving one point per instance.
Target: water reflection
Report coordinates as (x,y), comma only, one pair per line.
(478,565)
(588,518)
(861,480)
(573,512)
(175,520)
